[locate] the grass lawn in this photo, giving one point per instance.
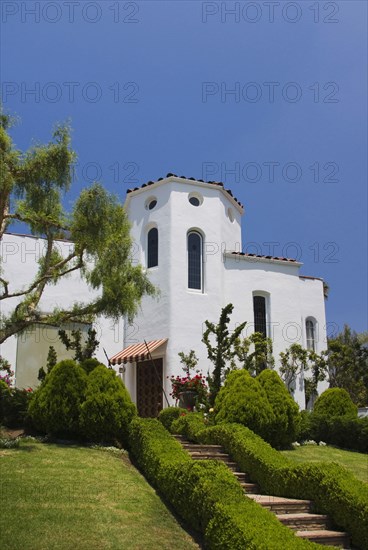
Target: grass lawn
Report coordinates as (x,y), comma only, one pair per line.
(74,498)
(356,462)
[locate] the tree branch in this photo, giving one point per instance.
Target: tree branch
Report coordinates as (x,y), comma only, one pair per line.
(44,277)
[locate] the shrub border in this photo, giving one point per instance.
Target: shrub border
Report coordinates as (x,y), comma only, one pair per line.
(332,488)
(206,494)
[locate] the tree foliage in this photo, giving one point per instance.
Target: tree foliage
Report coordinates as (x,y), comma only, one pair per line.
(82,350)
(294,361)
(222,350)
(347,358)
(33,186)
(260,358)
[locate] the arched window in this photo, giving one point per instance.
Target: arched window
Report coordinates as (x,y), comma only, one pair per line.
(152,247)
(311,334)
(260,315)
(195,263)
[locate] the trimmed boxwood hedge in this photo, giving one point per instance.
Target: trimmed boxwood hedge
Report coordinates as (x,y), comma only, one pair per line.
(343,431)
(168,415)
(189,425)
(206,494)
(333,489)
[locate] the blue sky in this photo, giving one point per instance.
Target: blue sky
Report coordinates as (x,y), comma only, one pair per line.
(269,97)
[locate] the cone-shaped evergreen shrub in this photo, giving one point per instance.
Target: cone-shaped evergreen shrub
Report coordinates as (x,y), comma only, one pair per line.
(89,364)
(108,408)
(55,406)
(335,402)
(243,400)
(282,431)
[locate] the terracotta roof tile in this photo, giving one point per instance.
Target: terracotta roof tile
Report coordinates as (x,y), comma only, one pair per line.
(170,174)
(262,256)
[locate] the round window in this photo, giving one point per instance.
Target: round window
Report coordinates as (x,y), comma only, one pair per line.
(151,203)
(195,199)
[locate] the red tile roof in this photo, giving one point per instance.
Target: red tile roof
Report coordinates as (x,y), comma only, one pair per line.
(264,257)
(169,175)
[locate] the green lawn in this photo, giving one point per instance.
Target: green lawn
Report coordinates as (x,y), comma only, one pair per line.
(356,462)
(74,498)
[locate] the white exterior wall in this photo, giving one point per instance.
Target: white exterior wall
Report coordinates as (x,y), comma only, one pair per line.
(179,313)
(19,262)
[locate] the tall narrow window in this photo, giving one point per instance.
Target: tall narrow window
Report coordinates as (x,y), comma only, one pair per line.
(259,308)
(152,247)
(311,334)
(194,260)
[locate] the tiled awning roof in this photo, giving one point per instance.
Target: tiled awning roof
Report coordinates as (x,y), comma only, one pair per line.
(136,352)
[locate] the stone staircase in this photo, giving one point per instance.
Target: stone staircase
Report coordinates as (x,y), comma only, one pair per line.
(295,514)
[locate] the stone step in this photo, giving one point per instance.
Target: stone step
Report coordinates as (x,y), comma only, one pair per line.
(209,455)
(250,487)
(241,476)
(293,513)
(327,538)
(201,448)
(310,522)
(281,505)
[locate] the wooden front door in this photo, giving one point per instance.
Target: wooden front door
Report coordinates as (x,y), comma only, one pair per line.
(149,388)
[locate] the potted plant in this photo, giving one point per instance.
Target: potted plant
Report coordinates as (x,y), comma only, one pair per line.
(190,388)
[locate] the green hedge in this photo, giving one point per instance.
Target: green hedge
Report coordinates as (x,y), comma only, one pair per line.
(206,494)
(168,415)
(189,425)
(333,489)
(343,431)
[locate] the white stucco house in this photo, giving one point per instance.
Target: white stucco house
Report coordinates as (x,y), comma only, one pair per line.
(187,234)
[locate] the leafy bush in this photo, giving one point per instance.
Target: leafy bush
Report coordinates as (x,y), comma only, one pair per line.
(206,494)
(14,406)
(335,402)
(4,395)
(107,411)
(342,431)
(333,489)
(189,425)
(9,443)
(283,426)
(89,364)
(243,400)
(56,404)
(168,415)
(305,427)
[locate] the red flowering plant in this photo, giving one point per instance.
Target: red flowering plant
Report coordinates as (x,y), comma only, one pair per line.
(190,381)
(6,374)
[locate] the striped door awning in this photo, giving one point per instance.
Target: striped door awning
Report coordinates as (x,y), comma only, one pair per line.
(136,352)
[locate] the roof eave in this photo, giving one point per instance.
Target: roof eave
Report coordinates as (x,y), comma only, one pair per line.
(262,259)
(177,179)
